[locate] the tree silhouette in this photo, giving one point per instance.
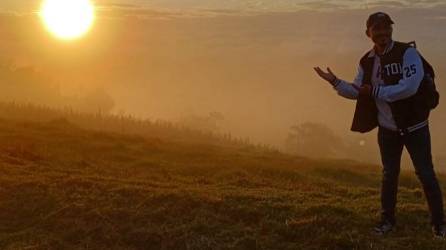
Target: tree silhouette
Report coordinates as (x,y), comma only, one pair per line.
(313,140)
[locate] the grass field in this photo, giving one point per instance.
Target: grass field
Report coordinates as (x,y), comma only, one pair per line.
(66,187)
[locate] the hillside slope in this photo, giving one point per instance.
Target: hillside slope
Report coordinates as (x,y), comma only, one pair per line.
(64,187)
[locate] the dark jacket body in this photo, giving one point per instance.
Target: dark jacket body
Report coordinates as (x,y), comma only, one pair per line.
(406,112)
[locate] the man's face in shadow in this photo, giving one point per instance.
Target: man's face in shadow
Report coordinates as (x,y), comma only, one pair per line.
(380,33)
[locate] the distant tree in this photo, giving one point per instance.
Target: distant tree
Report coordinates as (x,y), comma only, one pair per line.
(313,140)
(205,123)
(27,84)
(98,101)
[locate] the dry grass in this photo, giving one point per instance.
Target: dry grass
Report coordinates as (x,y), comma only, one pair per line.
(65,187)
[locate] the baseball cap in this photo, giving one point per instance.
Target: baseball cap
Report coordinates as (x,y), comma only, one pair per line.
(378,17)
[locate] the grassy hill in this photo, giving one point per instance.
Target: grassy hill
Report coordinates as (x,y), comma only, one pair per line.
(63,186)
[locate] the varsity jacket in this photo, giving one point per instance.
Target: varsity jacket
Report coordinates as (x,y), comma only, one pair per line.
(395,102)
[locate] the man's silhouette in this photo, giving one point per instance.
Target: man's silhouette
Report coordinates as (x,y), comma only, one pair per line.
(386,88)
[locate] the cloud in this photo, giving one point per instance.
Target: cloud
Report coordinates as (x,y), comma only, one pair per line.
(387,4)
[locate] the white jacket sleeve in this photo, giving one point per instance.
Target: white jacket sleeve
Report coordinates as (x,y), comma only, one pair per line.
(413,73)
(345,89)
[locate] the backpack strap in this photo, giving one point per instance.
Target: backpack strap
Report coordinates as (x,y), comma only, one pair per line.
(432,95)
(427,66)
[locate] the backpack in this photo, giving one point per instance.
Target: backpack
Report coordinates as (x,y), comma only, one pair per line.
(428,89)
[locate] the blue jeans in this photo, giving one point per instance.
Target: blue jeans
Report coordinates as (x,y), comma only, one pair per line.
(418,145)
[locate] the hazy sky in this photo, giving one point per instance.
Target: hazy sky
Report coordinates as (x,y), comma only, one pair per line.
(257,5)
(250,60)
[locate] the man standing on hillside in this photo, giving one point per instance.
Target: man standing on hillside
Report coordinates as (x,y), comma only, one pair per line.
(387,94)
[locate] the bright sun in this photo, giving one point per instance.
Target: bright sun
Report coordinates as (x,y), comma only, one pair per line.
(68,19)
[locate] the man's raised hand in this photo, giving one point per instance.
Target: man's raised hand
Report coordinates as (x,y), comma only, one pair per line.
(327,76)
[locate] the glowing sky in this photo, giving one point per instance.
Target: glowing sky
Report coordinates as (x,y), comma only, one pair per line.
(256,5)
(166,66)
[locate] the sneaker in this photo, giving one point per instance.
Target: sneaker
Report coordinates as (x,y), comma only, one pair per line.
(383,227)
(439,231)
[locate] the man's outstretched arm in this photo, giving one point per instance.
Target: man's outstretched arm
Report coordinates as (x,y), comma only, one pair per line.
(346,89)
(343,88)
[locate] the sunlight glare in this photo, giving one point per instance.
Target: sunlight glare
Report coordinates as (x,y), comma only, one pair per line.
(68,19)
